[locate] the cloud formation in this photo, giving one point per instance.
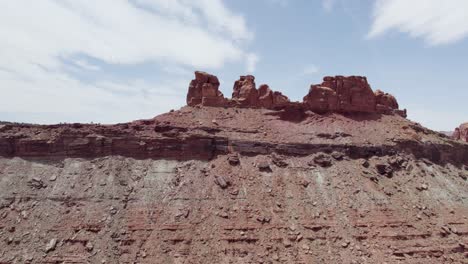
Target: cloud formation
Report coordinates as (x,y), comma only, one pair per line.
(252,60)
(40,40)
(310,69)
(437,22)
(328,5)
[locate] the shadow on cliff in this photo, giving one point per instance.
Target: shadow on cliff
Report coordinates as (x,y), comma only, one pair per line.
(290,115)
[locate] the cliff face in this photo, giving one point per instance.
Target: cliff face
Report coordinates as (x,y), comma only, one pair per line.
(252,179)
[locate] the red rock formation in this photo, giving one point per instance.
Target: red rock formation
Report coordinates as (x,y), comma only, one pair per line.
(265,96)
(321,99)
(270,99)
(387,104)
(348,95)
(354,93)
(335,94)
(203,90)
(385,100)
(461,132)
(244,92)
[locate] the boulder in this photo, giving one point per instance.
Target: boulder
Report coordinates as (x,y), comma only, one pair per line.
(323,160)
(222,182)
(264,166)
(384,169)
(234,160)
(204,90)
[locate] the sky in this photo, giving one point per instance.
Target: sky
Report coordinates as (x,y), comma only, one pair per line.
(110,61)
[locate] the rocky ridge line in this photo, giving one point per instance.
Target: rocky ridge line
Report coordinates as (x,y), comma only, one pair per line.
(351,94)
(155,139)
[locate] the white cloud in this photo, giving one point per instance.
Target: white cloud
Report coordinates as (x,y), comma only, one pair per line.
(86,65)
(39,39)
(114,31)
(177,70)
(251,60)
(59,98)
(437,22)
(213,12)
(327,5)
(310,69)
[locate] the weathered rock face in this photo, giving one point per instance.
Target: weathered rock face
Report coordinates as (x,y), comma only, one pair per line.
(244,92)
(270,99)
(265,96)
(461,132)
(350,95)
(204,90)
(344,94)
(335,94)
(385,100)
(321,99)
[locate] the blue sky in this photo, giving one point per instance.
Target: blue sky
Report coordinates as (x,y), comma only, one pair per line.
(113,61)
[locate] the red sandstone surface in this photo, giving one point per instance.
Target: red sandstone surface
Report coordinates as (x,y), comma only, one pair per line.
(341,177)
